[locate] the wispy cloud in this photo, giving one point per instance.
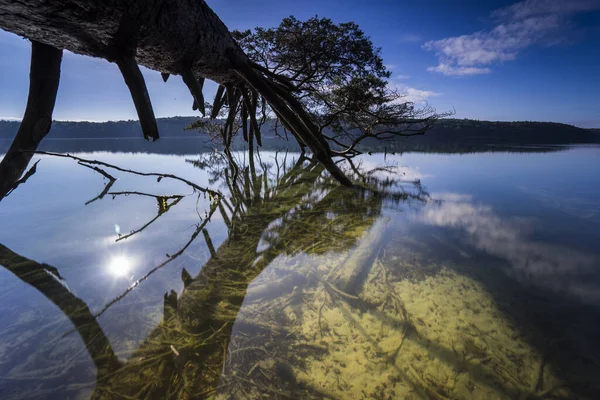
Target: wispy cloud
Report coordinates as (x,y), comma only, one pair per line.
(447,69)
(419,96)
(554,267)
(529,8)
(410,38)
(518,26)
(398,84)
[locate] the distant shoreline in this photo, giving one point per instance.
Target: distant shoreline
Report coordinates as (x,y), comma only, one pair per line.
(194,118)
(447,136)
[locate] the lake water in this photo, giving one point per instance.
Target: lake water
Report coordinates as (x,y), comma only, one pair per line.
(472,276)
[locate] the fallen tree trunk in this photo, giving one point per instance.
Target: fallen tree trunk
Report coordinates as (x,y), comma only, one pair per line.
(171,36)
(164,35)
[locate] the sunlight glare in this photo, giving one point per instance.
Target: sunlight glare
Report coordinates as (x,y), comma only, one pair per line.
(120,266)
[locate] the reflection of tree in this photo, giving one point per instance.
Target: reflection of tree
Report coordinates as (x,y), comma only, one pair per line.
(47,280)
(270,211)
(266,216)
(163,206)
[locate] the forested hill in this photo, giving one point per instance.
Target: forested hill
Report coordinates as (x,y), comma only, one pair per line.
(473,135)
(452,135)
(168,127)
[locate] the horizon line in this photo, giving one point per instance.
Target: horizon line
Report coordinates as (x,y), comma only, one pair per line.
(13,119)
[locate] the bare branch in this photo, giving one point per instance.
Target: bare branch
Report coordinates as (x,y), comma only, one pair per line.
(158,175)
(139,93)
(27,175)
(44,76)
(218,103)
(195,87)
(158,215)
(99,170)
(170,258)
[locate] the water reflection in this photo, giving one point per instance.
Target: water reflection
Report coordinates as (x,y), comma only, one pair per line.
(268,216)
(120,266)
(551,266)
(307,290)
(48,281)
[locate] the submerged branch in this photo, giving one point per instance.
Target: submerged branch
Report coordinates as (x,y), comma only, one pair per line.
(115,167)
(160,212)
(171,257)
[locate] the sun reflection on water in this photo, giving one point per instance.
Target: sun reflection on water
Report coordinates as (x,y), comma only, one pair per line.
(120,266)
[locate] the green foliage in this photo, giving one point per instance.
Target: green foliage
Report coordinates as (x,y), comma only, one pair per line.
(315,53)
(339,77)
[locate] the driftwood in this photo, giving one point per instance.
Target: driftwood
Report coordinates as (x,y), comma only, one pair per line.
(174,37)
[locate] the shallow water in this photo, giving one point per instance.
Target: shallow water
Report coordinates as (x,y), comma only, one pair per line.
(468,276)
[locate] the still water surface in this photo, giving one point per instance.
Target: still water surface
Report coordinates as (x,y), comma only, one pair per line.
(468,276)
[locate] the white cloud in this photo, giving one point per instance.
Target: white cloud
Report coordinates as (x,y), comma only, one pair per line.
(458,71)
(547,265)
(418,96)
(408,93)
(412,94)
(518,26)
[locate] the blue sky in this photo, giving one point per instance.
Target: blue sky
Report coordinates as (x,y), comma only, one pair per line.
(491,60)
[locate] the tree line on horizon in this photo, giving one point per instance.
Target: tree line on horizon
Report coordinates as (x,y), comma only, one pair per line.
(449,134)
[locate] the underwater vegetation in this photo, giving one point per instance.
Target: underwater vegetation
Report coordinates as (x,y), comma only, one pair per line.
(317,291)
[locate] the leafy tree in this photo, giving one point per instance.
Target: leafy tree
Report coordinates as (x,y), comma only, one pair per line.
(336,74)
(330,88)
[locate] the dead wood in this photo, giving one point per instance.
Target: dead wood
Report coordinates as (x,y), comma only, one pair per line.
(44,76)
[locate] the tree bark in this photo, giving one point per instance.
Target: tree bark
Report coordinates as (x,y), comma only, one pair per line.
(44,76)
(164,35)
(182,37)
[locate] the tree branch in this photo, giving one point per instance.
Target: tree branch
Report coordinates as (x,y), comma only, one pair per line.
(44,76)
(139,93)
